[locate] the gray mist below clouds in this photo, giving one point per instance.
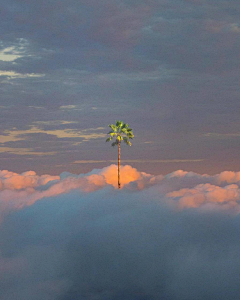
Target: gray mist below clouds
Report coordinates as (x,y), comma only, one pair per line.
(110,245)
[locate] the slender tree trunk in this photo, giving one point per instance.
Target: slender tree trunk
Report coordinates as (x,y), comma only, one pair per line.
(119,163)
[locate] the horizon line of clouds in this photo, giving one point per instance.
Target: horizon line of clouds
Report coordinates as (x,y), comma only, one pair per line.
(139,161)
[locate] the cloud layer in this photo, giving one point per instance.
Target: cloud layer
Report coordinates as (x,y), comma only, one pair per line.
(159,237)
(180,189)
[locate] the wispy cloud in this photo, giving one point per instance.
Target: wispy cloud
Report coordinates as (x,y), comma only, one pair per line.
(139,161)
(9,54)
(70,107)
(89,161)
(139,76)
(221,135)
(55,122)
(161,160)
(24,151)
(21,135)
(14,75)
(13,52)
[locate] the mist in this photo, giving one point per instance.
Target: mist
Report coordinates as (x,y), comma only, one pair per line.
(72,237)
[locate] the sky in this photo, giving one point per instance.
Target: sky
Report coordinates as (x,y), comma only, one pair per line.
(69,68)
(170,69)
(71,237)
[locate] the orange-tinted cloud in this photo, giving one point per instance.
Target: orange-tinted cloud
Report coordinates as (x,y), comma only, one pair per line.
(14,181)
(204,194)
(128,174)
(83,227)
(19,190)
(179,189)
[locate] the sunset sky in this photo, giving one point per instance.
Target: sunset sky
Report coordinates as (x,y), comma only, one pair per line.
(168,68)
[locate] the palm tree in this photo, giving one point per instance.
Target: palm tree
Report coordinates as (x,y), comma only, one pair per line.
(121,132)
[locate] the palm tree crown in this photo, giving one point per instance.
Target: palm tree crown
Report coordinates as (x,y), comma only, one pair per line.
(122,132)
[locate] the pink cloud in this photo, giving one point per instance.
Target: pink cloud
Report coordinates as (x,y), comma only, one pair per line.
(228,176)
(204,194)
(14,181)
(179,189)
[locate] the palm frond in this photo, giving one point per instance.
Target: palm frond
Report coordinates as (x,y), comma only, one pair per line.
(126,141)
(109,139)
(130,135)
(125,126)
(119,138)
(112,134)
(124,130)
(119,124)
(113,127)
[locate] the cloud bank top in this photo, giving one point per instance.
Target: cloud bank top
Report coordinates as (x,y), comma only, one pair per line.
(159,237)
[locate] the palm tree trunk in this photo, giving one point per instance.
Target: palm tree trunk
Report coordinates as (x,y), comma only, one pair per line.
(119,162)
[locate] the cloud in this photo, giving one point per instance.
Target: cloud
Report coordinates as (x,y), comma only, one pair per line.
(222,135)
(69,107)
(55,122)
(14,135)
(227,177)
(179,189)
(89,161)
(159,160)
(14,181)
(24,151)
(85,239)
(19,190)
(8,54)
(207,194)
(139,161)
(13,75)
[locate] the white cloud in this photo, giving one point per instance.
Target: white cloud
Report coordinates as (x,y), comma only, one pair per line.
(15,75)
(9,54)
(70,107)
